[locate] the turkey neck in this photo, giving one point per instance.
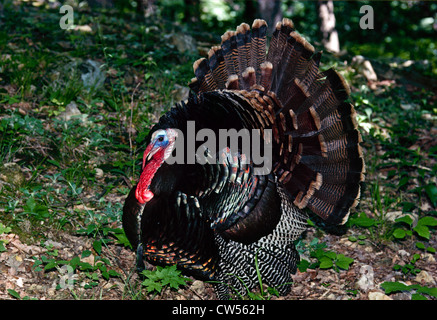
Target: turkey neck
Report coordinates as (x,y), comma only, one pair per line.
(143,194)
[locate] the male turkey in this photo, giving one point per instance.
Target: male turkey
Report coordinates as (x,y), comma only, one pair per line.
(214,219)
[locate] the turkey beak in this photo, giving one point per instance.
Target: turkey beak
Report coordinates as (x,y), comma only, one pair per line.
(151,153)
(148,156)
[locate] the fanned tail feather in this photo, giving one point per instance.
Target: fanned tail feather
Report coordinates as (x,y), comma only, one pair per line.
(317,156)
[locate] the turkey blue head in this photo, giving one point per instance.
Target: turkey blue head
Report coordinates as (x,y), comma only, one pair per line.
(159,149)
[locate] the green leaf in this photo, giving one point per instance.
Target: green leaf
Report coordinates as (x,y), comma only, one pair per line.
(403,182)
(405,219)
(122,239)
(171,276)
(14,293)
(149,274)
(427,221)
(161,277)
(408,206)
(254,296)
(352,239)
(422,231)
(4,229)
(303,265)
(390,287)
(105,275)
(102,267)
(152,285)
(431,191)
(97,245)
(310,223)
(86,253)
(331,255)
(325,263)
(363,222)
(176,282)
(30,204)
(273,291)
(420,245)
(417,296)
(113,273)
(51,265)
(85,266)
(416,257)
(429,291)
(343,262)
(318,254)
(399,233)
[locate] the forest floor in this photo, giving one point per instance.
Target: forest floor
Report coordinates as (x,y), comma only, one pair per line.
(71,146)
(372,266)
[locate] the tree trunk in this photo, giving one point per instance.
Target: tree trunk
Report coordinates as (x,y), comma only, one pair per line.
(192,11)
(327,26)
(269,10)
(145,7)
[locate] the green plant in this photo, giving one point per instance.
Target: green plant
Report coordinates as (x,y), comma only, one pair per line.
(16,295)
(15,131)
(263,295)
(408,267)
(431,191)
(421,245)
(61,92)
(48,261)
(35,209)
(324,259)
(361,220)
(163,277)
(44,263)
(327,260)
(422,228)
(419,294)
(99,225)
(92,273)
(3,230)
(360,238)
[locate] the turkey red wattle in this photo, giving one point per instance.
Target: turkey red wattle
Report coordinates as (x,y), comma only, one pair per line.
(159,149)
(152,160)
(142,193)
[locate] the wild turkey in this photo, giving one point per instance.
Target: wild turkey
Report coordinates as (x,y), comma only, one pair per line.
(215,218)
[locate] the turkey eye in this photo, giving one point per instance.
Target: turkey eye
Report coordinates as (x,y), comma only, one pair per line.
(161,138)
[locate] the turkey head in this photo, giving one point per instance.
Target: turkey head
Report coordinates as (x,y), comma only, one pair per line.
(159,149)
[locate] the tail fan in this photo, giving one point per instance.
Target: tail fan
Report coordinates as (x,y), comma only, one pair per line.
(317,154)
